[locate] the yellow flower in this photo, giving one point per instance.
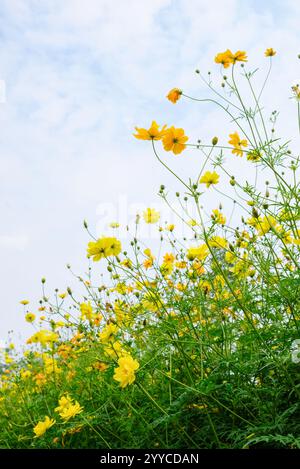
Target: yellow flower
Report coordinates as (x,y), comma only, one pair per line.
(218,217)
(209,178)
(192,222)
(170,227)
(174,140)
(114,224)
(224,58)
(151,215)
(29,317)
(42,427)
(174,95)
(108,332)
(218,242)
(148,263)
(68,408)
(63,295)
(227,58)
(201,252)
(254,155)
(239,56)
(43,337)
(125,372)
(86,311)
(270,52)
(237,143)
(265,224)
(24,302)
(103,247)
(169,258)
(25,374)
(153,133)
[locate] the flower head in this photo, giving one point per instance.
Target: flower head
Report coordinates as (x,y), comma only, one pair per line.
(103,247)
(200,252)
(68,408)
(42,427)
(218,217)
(174,95)
(151,215)
(209,178)
(270,52)
(29,317)
(153,133)
(236,141)
(224,58)
(227,58)
(239,56)
(174,140)
(24,302)
(125,372)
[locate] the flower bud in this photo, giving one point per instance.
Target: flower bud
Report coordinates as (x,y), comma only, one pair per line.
(215,141)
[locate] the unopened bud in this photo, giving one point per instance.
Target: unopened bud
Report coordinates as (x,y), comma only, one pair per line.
(215,141)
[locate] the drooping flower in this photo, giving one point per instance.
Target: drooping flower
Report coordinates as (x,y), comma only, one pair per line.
(125,372)
(174,140)
(174,95)
(42,427)
(270,52)
(209,178)
(153,133)
(103,247)
(150,215)
(237,143)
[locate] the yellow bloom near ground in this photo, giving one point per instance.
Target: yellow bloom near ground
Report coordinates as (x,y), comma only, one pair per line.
(42,427)
(125,372)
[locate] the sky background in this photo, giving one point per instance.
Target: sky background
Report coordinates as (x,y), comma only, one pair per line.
(79,76)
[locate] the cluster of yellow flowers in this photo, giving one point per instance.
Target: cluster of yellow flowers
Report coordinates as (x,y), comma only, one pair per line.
(103,247)
(173,139)
(67,409)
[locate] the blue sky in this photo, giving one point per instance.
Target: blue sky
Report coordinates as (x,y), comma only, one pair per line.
(79,76)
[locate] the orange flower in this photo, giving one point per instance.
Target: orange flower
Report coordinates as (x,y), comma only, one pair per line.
(174,95)
(237,143)
(227,58)
(174,139)
(153,133)
(224,58)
